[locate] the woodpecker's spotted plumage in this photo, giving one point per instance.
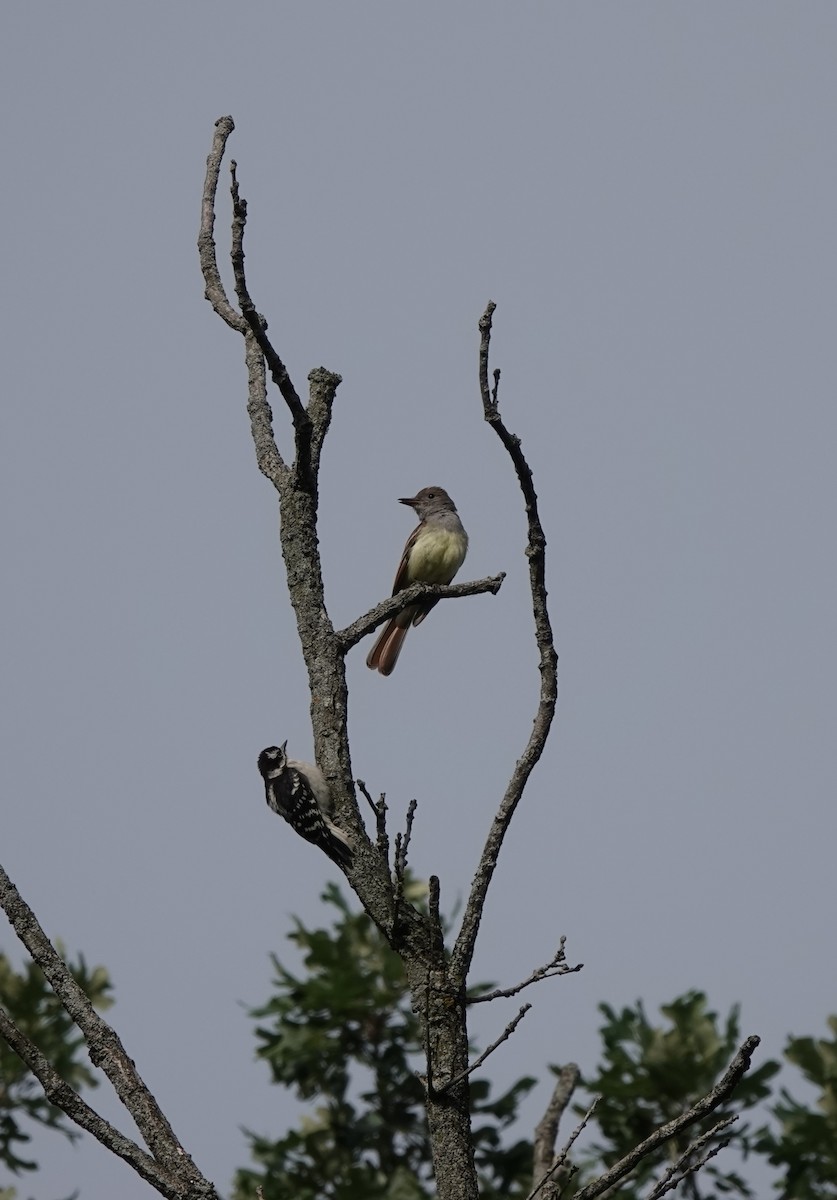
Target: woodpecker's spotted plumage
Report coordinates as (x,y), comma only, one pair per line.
(298,792)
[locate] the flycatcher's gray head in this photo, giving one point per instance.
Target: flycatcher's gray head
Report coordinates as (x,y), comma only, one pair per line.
(430,500)
(272,761)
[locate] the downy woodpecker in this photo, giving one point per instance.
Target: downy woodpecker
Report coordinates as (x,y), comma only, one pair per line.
(298,792)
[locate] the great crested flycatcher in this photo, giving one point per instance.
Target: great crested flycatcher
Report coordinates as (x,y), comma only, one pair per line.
(434,552)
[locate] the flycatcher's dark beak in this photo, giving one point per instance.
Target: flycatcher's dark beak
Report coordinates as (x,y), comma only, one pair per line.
(412,502)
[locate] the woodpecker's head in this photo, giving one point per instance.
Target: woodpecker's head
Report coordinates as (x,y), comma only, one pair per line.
(272,761)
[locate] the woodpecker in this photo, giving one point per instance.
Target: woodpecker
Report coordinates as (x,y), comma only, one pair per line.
(298,792)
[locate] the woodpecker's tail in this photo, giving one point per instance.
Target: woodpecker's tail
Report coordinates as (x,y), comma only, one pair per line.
(338,847)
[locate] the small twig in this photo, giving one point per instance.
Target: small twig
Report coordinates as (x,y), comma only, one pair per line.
(722,1091)
(408,834)
(562,1157)
(352,634)
(379,808)
(437,933)
(546,1131)
(402,843)
(668,1182)
(401,857)
(364,791)
(556,966)
(504,1036)
(399,883)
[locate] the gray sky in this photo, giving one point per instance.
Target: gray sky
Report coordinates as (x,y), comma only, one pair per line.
(648,192)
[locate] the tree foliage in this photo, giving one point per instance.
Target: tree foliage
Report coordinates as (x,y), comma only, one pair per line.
(804,1142)
(341,1035)
(649,1073)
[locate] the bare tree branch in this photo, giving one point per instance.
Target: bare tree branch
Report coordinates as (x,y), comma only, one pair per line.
(215,293)
(560,1159)
(268,458)
(306,458)
(257,323)
(106,1050)
(557,965)
(679,1170)
(352,634)
(707,1104)
(463,950)
(322,391)
(261,418)
(546,1131)
(59,1093)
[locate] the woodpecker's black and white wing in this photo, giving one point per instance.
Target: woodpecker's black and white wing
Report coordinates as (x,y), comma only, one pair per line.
(298,791)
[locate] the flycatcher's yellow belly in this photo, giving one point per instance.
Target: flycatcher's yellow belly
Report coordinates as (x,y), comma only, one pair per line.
(436,556)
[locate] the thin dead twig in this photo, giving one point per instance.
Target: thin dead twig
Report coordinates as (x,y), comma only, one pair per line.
(402,845)
(379,808)
(557,965)
(504,1036)
(682,1168)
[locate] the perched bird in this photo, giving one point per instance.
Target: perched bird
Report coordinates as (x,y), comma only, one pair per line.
(298,792)
(434,552)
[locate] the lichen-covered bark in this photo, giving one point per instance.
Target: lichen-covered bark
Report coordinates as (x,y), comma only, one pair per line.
(443,1014)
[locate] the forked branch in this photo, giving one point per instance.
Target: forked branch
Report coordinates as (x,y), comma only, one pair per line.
(557,965)
(736,1071)
(174,1167)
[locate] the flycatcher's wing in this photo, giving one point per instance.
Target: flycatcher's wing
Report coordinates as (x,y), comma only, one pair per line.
(402,578)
